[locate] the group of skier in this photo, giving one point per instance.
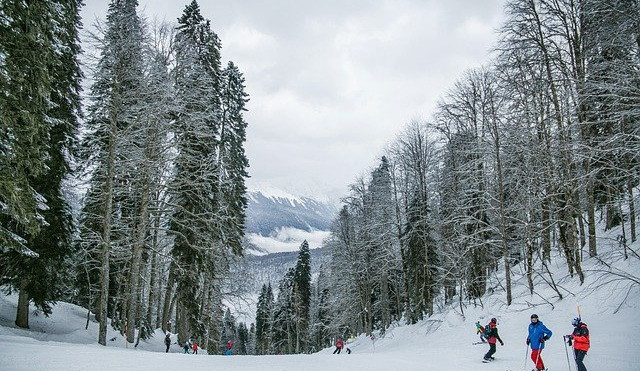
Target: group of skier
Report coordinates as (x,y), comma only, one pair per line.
(192,345)
(339,346)
(538,334)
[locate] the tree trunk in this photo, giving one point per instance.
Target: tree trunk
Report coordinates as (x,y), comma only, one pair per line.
(106,234)
(168,304)
(153,291)
(632,211)
(546,230)
(182,324)
(591,217)
(530,249)
(22,312)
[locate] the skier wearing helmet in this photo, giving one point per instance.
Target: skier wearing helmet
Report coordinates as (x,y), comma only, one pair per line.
(491,332)
(580,341)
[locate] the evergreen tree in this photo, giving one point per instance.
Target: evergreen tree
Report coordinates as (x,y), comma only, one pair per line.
(233,162)
(320,331)
(198,253)
(283,333)
(242,339)
(251,343)
(229,333)
(27,47)
(302,297)
(43,280)
(382,244)
(420,262)
(263,320)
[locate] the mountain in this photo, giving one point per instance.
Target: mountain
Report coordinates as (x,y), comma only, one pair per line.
(278,221)
(271,210)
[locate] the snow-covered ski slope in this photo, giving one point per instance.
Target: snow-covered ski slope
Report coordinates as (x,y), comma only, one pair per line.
(444,342)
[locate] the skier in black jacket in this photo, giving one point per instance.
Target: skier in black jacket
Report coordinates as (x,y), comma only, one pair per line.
(492,334)
(167,341)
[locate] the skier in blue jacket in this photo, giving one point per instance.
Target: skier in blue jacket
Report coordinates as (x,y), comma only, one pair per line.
(538,334)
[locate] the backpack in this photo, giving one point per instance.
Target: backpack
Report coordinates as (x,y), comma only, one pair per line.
(488,330)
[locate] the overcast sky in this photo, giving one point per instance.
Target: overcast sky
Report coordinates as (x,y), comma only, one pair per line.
(331,82)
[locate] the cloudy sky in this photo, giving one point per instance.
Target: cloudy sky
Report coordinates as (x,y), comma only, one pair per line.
(331,82)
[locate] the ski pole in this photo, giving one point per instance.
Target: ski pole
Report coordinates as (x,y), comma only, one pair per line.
(526,355)
(566,351)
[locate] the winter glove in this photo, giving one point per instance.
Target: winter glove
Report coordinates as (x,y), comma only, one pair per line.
(570,342)
(501,343)
(528,341)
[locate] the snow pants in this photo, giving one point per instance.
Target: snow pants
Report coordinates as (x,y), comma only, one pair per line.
(337,350)
(537,359)
(580,359)
(492,350)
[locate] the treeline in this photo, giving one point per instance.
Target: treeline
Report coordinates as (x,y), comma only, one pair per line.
(297,319)
(522,156)
(158,161)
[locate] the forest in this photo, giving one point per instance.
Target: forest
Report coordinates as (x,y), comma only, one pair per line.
(520,162)
(129,199)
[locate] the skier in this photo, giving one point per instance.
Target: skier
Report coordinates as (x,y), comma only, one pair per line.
(195,347)
(480,330)
(580,340)
(167,341)
(492,333)
(229,351)
(339,346)
(186,347)
(538,334)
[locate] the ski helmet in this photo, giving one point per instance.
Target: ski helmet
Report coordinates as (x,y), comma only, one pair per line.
(534,316)
(576,321)
(493,320)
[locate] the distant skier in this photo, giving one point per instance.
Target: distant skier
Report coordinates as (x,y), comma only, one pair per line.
(167,341)
(491,331)
(480,330)
(186,347)
(194,347)
(580,340)
(229,350)
(538,334)
(339,346)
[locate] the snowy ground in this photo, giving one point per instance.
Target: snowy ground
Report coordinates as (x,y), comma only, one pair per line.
(444,342)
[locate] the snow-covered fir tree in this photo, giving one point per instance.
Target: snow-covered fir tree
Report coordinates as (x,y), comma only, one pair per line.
(40,77)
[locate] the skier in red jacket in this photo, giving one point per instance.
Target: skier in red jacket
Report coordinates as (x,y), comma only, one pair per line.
(580,340)
(339,346)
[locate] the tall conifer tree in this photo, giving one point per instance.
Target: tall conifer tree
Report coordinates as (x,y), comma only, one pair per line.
(198,255)
(42,279)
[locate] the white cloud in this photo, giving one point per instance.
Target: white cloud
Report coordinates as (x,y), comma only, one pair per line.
(332,82)
(288,239)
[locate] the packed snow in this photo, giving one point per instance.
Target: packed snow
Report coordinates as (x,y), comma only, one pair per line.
(442,342)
